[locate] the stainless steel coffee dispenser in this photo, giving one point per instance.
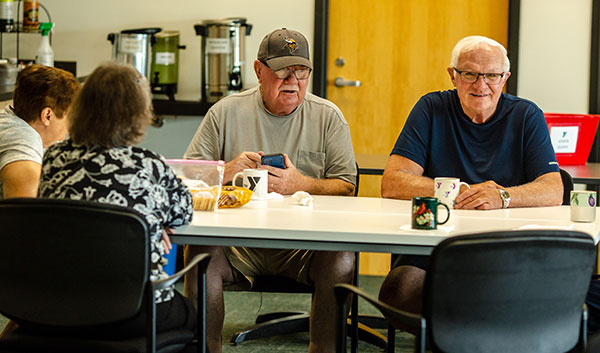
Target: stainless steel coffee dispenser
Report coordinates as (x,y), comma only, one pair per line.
(134,46)
(222,56)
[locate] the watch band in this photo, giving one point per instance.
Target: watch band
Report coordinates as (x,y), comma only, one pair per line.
(505,196)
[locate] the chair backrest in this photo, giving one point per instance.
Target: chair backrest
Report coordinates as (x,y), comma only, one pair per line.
(71,263)
(519,291)
(567,181)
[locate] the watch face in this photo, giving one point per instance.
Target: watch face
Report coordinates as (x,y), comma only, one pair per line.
(505,196)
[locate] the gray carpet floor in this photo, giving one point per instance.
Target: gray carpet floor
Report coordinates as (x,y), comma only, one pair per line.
(241,308)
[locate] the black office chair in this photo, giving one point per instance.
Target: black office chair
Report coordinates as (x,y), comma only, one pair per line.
(283,322)
(567,181)
(515,291)
(379,323)
(70,264)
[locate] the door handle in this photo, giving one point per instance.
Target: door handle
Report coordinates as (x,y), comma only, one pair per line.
(341,82)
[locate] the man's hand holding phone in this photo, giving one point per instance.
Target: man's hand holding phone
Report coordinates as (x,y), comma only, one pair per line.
(274,160)
(245,160)
(287,180)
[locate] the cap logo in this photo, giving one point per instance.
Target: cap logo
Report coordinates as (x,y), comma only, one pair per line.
(290,44)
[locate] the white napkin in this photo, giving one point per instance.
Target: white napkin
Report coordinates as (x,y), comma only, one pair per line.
(302,198)
(274,196)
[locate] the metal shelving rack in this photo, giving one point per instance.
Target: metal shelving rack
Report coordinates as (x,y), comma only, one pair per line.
(19,28)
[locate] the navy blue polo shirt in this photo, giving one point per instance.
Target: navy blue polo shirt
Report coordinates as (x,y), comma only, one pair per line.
(512,148)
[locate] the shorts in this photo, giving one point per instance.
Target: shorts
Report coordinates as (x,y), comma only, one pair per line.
(247,263)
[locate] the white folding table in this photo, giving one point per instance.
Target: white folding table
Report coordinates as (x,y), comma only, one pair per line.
(358,224)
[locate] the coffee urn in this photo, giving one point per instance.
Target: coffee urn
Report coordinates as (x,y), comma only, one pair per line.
(165,63)
(134,46)
(222,56)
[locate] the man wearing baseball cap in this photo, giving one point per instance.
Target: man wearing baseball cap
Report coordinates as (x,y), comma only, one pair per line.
(278,116)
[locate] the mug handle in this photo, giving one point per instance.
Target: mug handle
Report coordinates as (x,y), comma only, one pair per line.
(465,184)
(235,177)
(448,214)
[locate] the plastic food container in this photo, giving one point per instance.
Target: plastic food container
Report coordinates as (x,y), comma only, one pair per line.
(572,136)
(203,178)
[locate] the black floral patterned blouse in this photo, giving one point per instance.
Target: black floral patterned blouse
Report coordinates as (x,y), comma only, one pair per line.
(127,176)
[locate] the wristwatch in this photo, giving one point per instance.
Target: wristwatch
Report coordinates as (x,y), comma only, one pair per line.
(505,196)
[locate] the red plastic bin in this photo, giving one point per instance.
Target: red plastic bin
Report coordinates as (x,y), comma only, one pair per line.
(572,136)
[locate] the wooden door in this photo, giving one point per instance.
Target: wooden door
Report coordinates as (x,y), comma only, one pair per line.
(399,50)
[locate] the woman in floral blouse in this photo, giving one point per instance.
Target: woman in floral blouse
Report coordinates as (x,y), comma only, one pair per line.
(99,162)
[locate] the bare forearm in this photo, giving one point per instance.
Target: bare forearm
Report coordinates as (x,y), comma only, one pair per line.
(398,184)
(546,190)
(289,180)
(328,187)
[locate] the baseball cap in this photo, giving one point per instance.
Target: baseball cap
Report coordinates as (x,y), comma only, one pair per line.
(282,48)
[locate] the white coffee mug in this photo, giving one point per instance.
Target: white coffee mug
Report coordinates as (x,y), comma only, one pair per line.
(255,180)
(583,206)
(447,189)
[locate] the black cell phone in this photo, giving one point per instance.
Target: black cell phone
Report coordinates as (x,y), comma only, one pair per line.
(274,160)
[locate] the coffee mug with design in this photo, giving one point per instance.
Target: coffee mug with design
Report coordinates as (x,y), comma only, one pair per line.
(255,180)
(583,206)
(425,213)
(446,189)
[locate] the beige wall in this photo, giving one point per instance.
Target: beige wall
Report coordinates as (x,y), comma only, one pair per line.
(82,27)
(554,54)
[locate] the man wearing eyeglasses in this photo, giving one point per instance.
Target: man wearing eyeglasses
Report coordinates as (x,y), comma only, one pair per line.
(278,116)
(497,143)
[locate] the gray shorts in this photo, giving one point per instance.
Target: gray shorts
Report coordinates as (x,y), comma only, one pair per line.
(247,263)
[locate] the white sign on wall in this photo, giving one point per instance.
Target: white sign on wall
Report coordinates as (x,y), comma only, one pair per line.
(564,138)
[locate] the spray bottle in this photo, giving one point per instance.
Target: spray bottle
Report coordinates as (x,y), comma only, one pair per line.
(45,54)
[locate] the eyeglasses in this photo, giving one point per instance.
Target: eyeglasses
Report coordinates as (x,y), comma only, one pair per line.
(472,77)
(301,74)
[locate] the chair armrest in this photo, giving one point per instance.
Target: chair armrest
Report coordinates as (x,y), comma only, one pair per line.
(404,317)
(200,260)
